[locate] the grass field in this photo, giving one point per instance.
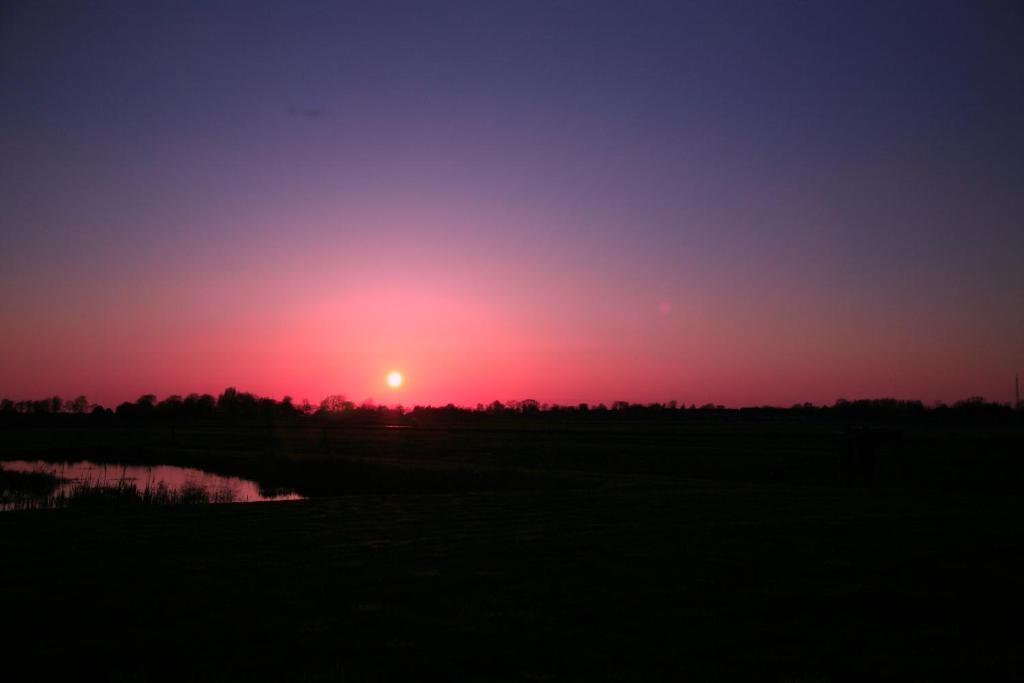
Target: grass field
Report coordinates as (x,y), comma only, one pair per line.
(615,574)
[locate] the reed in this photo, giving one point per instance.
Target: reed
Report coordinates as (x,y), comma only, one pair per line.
(120,494)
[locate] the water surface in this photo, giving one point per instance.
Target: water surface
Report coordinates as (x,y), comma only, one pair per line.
(147,477)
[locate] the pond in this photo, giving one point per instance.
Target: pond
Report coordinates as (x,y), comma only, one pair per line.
(62,484)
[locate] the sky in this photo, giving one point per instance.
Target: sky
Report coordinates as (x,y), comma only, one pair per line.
(738,203)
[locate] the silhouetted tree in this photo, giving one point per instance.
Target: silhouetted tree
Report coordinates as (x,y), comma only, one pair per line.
(172,406)
(77,406)
(145,406)
(529,407)
(336,403)
(227,402)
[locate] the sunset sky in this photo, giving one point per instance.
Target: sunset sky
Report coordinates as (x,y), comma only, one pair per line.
(739,203)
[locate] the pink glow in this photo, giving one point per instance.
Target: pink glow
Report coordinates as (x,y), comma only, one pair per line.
(472,332)
(471,308)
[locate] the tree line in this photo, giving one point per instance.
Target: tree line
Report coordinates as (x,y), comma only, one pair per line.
(234,405)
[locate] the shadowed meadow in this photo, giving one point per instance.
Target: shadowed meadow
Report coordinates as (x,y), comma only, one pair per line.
(523,542)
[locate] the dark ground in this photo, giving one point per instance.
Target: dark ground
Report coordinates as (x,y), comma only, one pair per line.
(649,557)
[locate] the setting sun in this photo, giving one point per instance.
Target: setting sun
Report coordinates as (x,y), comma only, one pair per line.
(394,379)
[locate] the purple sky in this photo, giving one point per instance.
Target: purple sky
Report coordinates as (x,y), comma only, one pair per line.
(741,203)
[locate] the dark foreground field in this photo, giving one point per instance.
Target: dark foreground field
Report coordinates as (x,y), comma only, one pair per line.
(609,575)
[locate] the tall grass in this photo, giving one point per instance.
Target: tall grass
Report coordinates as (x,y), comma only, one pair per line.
(22,489)
(32,490)
(126,493)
